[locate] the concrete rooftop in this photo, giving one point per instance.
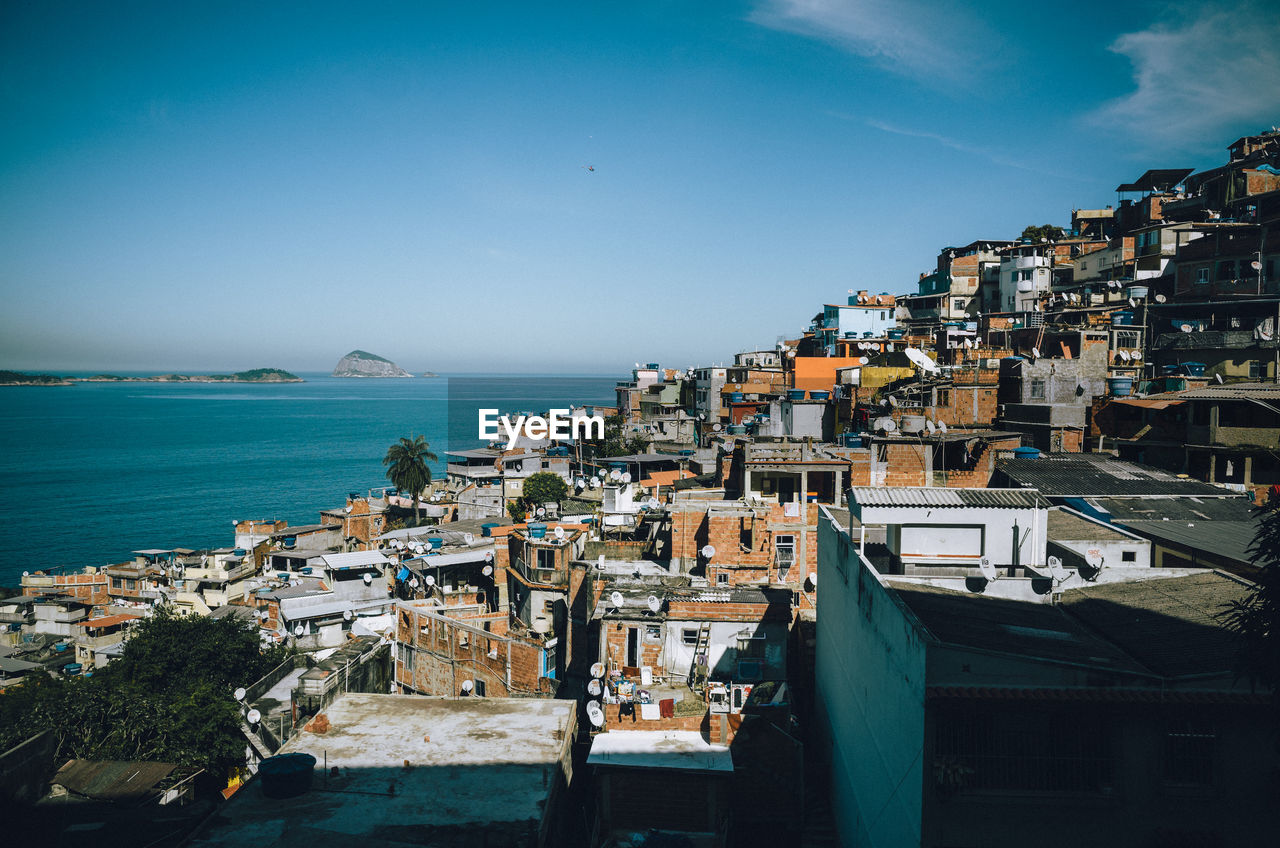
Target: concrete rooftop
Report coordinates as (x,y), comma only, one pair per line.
(472,763)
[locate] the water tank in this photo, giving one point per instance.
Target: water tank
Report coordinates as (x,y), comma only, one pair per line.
(537,530)
(436,542)
(737,429)
(286,775)
(486,530)
(1120,386)
(1122,318)
(896,334)
(1026,453)
(736,397)
(1136,292)
(819,394)
(795,394)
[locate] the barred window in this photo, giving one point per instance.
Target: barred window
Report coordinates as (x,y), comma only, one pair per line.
(1038,751)
(1188,753)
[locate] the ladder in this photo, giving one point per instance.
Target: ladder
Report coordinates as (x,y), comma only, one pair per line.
(698,671)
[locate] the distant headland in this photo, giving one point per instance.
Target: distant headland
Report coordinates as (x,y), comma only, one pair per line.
(257,375)
(361,363)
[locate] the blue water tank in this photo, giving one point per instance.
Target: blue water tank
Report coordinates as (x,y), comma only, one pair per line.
(795,394)
(537,530)
(486,530)
(1120,386)
(286,775)
(736,397)
(436,542)
(817,394)
(1026,453)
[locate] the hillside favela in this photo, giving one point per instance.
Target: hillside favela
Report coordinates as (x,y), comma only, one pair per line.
(795,514)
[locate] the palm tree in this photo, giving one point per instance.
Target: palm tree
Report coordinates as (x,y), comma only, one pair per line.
(407,468)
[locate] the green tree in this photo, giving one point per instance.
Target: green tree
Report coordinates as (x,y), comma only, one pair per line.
(543,487)
(1255,618)
(617,442)
(407,467)
(1044,231)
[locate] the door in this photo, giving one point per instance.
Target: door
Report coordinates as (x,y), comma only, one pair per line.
(633,647)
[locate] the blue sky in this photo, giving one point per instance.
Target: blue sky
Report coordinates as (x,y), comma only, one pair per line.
(221,186)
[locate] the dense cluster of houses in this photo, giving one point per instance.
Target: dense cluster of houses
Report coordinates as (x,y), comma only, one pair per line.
(1025,490)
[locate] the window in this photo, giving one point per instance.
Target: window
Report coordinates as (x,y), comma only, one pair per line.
(689,636)
(785,553)
(994,750)
(549,607)
(546,558)
(117,583)
(1128,556)
(722,579)
(1037,389)
(1202,275)
(1126,339)
(1255,369)
(1188,753)
(653,633)
(479,688)
(942,397)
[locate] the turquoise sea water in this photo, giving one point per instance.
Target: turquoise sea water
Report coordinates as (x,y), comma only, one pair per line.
(93,471)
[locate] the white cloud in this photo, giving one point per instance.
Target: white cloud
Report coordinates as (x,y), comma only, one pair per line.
(910,37)
(1206,68)
(992,155)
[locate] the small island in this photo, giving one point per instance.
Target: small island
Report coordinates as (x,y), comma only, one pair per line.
(361,363)
(257,375)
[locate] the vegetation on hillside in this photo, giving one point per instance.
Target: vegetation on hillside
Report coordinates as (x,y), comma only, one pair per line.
(168,698)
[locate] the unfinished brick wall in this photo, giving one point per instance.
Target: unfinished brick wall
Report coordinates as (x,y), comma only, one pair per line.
(87,588)
(444,654)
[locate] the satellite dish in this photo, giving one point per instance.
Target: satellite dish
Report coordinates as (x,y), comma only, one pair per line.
(616,599)
(1035,353)
(1133,302)
(299,630)
(893,401)
(716,427)
(1123,354)
(708,551)
(813,579)
(626,476)
(488,556)
(253,716)
(26,574)
(1055,568)
(239,694)
(430,579)
(368,578)
(542,511)
(559,533)
(929,425)
(942,426)
(595,714)
(597,670)
(468,538)
(1136,354)
(863,360)
(346,614)
(467,686)
(594,688)
(615,475)
(654,603)
(1161,298)
(414,583)
(988,570)
(263,614)
(487,571)
(1186,328)
(579,483)
(593,482)
(652,503)
(1094,557)
(1218,377)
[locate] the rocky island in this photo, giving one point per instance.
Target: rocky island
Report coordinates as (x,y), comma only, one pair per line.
(360,363)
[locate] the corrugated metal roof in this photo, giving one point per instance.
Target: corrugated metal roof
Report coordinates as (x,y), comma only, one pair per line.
(926,496)
(355,559)
(1236,391)
(112,779)
(1089,475)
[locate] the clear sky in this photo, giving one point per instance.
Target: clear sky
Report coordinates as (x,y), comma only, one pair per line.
(206,186)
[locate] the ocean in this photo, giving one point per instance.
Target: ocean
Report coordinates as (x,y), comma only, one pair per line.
(91,472)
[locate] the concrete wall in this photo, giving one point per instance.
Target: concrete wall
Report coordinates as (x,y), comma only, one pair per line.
(25,770)
(870,677)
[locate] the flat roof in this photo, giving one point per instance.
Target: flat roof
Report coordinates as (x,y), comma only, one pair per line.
(1070,527)
(684,750)
(471,763)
